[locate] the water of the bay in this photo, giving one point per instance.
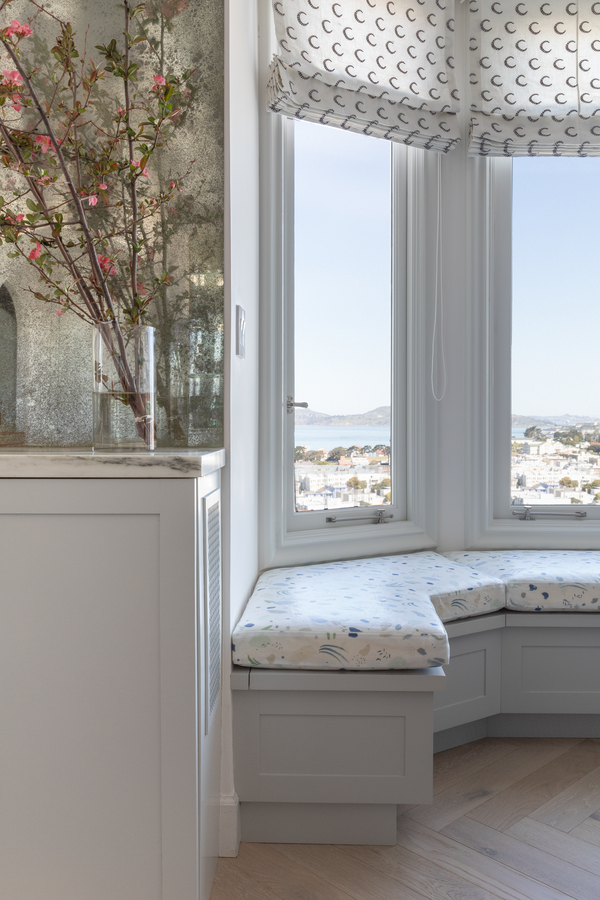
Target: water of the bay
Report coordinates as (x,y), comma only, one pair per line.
(326,437)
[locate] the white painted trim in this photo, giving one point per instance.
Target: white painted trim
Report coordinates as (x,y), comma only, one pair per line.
(421,421)
(230,825)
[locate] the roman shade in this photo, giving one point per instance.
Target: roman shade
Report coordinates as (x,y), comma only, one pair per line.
(379,68)
(535,78)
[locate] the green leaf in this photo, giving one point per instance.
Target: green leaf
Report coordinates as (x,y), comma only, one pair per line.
(32,205)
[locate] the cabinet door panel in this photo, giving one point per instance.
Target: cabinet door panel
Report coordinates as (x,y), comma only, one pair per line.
(80,707)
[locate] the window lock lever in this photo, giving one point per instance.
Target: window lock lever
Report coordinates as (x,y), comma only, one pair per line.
(291,404)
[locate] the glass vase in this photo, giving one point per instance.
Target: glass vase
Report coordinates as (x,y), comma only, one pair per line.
(124,387)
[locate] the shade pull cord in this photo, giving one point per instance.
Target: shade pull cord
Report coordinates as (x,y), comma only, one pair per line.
(439,295)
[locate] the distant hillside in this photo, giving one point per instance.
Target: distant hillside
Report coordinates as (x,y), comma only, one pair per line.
(379,416)
(527,421)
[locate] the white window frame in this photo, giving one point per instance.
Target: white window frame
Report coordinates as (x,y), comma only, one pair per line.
(287,537)
(311,520)
(489,520)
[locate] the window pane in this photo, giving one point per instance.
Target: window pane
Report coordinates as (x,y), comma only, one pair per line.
(342,319)
(555,327)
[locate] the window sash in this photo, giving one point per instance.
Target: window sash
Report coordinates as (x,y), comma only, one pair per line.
(489,520)
(308,519)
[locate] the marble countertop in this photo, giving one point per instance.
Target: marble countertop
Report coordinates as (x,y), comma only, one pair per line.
(80,462)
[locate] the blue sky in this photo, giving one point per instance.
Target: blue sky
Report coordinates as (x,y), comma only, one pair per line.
(343,263)
(556,286)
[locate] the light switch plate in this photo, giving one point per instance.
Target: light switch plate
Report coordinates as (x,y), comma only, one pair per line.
(240,334)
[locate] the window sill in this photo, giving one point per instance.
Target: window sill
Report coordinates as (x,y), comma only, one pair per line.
(345,542)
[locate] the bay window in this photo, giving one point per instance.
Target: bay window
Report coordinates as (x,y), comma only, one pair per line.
(454,287)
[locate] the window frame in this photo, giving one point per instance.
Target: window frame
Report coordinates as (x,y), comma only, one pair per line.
(489,522)
(310,520)
(288,537)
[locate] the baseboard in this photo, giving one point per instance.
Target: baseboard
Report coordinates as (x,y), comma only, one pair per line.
(460,734)
(568,725)
(557,725)
(230,825)
(319,823)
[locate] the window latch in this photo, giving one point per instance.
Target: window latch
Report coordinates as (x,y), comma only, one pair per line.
(291,404)
(379,515)
(524,514)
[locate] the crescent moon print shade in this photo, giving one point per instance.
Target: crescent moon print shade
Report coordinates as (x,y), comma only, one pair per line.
(535,78)
(378,67)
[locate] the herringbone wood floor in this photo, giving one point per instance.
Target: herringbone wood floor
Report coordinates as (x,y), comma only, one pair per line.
(512,818)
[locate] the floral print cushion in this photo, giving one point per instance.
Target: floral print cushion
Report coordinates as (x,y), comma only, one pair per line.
(541,580)
(360,614)
(455,591)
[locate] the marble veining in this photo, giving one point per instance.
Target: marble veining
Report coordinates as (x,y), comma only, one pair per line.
(28,462)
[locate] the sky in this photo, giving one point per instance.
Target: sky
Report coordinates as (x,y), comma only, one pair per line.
(556,287)
(343,265)
(343,284)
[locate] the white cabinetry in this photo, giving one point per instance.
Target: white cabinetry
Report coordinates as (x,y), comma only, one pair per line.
(109,747)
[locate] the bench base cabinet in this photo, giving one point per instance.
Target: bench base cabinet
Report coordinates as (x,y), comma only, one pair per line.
(551,669)
(521,663)
(325,757)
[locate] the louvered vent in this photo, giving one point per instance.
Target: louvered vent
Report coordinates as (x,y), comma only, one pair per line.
(213,603)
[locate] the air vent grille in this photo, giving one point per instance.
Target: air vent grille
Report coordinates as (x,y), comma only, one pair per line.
(213,603)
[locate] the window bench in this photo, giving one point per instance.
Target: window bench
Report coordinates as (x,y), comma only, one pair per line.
(328,740)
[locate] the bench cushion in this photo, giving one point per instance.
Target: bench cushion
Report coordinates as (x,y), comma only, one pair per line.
(358,614)
(455,590)
(541,580)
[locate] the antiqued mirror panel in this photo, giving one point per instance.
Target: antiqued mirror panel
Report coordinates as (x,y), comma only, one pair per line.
(45,350)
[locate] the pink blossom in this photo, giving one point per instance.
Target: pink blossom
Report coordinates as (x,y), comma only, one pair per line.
(45,179)
(37,250)
(44,141)
(59,312)
(20,217)
(15,105)
(137,165)
(92,200)
(102,187)
(12,77)
(172,184)
(159,80)
(106,265)
(15,27)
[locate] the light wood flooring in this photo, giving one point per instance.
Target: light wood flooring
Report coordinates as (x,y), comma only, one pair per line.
(512,818)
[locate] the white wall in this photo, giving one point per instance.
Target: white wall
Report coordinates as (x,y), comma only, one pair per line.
(240,529)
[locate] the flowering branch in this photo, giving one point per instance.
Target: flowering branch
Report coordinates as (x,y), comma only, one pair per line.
(68,161)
